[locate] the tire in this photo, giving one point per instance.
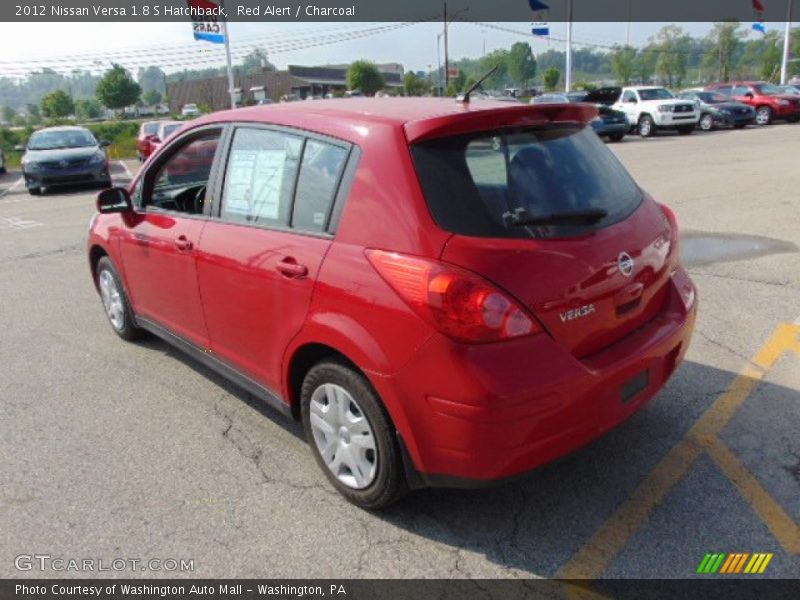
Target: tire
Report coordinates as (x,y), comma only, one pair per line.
(617,137)
(115,301)
(336,395)
(763,115)
(646,126)
(706,122)
(740,125)
(686,130)
(35,191)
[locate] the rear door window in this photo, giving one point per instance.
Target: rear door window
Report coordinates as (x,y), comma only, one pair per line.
(320,172)
(260,178)
(473,183)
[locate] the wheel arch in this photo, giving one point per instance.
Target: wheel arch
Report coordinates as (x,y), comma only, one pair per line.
(301,361)
(96,252)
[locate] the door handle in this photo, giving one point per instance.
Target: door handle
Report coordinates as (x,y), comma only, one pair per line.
(288,267)
(183,244)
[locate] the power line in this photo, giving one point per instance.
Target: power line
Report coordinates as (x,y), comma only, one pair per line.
(186,58)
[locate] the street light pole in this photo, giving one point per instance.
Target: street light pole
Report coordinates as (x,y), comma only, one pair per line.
(568,76)
(439,63)
(787,37)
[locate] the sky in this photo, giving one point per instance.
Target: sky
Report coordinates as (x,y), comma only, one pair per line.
(414,46)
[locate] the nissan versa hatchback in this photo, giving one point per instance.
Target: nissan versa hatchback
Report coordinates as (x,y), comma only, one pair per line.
(446,294)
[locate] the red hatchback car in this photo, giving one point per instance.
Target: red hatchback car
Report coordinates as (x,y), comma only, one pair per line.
(767,99)
(446,294)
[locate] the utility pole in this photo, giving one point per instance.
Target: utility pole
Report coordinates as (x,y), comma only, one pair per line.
(446,59)
(787,37)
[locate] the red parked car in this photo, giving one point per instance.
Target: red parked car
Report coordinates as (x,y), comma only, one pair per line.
(445,294)
(147,130)
(767,99)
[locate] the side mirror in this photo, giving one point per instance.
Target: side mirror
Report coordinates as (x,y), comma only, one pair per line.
(105,143)
(749,95)
(19,148)
(114,200)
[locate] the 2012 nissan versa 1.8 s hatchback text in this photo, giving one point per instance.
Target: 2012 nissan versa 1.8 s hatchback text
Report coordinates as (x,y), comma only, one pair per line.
(445,293)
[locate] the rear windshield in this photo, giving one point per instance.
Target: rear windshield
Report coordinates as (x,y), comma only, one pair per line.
(150,128)
(471,181)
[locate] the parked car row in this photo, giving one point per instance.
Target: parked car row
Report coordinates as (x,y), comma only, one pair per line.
(152,134)
(649,109)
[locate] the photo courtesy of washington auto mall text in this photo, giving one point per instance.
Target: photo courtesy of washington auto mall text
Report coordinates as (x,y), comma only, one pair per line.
(372,299)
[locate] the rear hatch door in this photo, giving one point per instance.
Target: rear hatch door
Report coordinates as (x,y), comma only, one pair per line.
(589,282)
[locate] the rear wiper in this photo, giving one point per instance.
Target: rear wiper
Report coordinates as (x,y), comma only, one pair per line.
(520,217)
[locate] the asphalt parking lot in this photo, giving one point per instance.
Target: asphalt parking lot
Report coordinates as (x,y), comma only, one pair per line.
(126,450)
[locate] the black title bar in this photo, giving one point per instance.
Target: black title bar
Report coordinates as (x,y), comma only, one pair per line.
(396,10)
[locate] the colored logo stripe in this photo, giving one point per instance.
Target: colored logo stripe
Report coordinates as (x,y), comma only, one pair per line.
(734,563)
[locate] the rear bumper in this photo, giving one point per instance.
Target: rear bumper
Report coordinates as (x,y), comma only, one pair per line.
(473,415)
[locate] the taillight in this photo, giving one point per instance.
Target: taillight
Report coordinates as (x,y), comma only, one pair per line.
(460,304)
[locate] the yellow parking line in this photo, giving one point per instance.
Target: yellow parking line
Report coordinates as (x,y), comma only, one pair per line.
(592,560)
(780,524)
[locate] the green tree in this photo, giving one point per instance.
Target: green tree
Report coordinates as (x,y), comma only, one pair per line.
(88,108)
(771,56)
(414,85)
(521,64)
(623,63)
(497,58)
(57,105)
(34,115)
(671,44)
(645,64)
(365,76)
(551,78)
(151,97)
(8,114)
(117,89)
(723,40)
(255,62)
(152,78)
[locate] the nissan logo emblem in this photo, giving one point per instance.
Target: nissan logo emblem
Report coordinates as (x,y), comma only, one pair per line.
(625,264)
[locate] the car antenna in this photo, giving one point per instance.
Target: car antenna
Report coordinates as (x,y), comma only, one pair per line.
(464,98)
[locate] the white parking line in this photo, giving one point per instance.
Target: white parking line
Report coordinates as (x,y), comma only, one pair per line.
(14,186)
(127,170)
(17,223)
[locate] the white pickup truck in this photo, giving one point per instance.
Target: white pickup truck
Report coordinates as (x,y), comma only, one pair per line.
(652,108)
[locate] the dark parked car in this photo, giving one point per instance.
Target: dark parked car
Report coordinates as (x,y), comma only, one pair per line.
(719,110)
(609,122)
(59,156)
(443,293)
